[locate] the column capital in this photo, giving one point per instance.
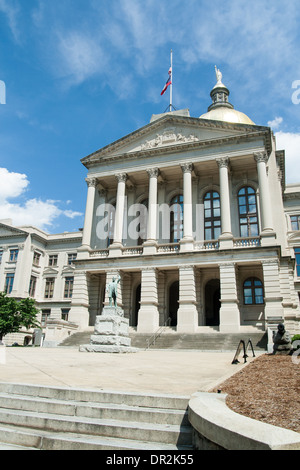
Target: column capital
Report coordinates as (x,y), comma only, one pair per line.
(187,167)
(153,172)
(91,182)
(223,162)
(261,157)
(121,177)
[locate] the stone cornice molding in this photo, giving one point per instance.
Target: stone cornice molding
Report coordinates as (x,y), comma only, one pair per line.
(110,152)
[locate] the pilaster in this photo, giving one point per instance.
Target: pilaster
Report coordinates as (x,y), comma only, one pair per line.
(148,315)
(229,311)
(187,315)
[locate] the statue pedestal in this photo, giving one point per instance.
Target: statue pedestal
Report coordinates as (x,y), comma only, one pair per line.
(111,334)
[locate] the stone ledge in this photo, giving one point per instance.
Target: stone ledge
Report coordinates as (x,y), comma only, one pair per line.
(218,427)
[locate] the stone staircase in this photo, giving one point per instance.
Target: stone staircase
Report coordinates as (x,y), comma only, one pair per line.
(34,417)
(170,339)
(200,341)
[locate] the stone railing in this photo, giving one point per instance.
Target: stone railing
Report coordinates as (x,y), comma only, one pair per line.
(246,242)
(169,248)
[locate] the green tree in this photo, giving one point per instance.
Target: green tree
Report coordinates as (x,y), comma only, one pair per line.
(15,315)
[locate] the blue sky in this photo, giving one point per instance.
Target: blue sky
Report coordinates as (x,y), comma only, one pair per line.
(81,74)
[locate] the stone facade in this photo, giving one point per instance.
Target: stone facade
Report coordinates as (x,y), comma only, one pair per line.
(195,216)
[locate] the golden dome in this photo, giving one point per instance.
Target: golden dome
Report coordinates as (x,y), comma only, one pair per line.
(228,115)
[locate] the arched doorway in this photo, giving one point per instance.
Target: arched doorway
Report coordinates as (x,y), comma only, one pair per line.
(212,302)
(135,311)
(173,302)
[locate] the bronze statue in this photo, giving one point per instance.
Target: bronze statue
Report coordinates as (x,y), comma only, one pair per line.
(112,290)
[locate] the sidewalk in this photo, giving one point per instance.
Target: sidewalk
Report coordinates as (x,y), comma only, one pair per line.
(160,371)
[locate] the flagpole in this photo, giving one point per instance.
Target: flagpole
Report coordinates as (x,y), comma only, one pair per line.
(171,87)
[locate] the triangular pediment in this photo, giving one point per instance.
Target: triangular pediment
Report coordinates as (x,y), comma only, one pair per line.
(8,231)
(171,131)
(50,271)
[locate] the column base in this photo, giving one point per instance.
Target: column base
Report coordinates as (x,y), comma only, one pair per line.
(226,241)
(268,238)
(229,318)
(83,252)
(187,319)
(150,247)
(187,244)
(116,250)
(148,319)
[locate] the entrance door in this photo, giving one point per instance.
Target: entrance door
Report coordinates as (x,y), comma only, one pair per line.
(134,318)
(212,302)
(173,302)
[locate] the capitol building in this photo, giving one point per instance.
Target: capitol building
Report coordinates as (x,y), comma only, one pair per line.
(194,215)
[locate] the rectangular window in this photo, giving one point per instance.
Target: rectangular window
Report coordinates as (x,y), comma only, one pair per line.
(9,282)
(295,221)
(13,255)
(53,260)
(49,289)
(65,314)
(1,255)
(36,258)
(45,315)
(69,287)
(297,255)
(72,257)
(32,286)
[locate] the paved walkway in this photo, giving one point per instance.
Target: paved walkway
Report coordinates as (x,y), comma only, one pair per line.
(160,371)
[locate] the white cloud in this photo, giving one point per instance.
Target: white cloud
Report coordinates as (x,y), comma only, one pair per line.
(34,211)
(290,142)
(11,10)
(275,123)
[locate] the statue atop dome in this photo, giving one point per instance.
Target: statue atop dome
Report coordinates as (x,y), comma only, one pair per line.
(218,75)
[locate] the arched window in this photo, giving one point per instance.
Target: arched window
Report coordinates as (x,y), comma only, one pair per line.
(253,292)
(176,206)
(248,212)
(212,215)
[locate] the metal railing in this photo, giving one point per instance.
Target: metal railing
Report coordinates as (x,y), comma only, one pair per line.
(153,338)
(245,347)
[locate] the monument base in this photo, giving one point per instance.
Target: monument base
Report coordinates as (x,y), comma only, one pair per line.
(111,333)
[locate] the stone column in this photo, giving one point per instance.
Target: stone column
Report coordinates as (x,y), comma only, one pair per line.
(267,233)
(148,315)
(229,311)
(79,313)
(89,211)
(150,245)
(187,315)
(116,248)
(186,244)
(274,313)
(226,238)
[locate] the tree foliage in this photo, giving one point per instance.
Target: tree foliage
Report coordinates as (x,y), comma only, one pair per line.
(15,315)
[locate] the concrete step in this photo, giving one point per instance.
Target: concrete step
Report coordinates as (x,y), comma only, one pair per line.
(39,417)
(93,410)
(67,441)
(170,339)
(163,433)
(201,341)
